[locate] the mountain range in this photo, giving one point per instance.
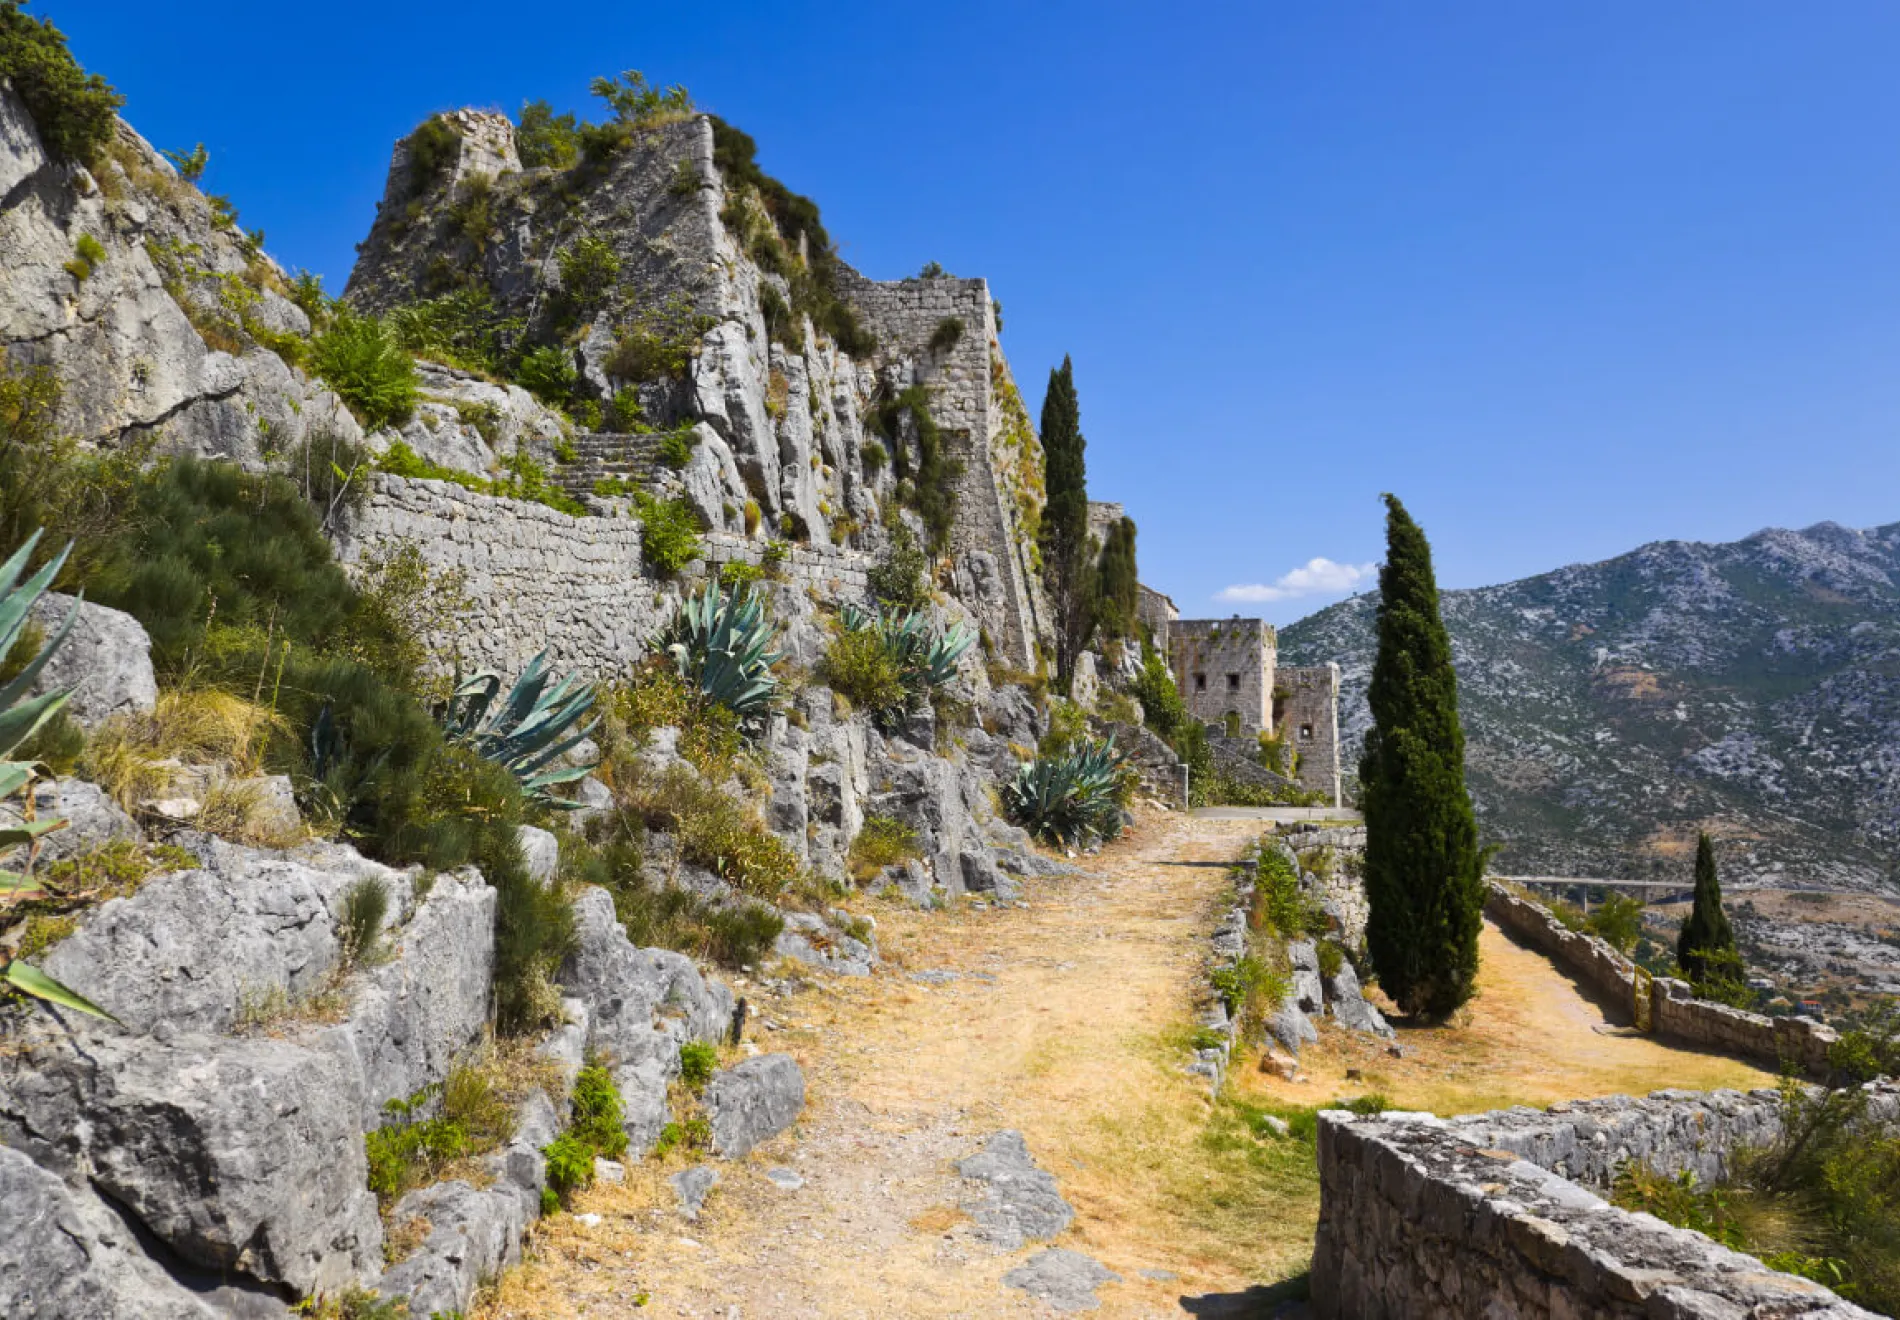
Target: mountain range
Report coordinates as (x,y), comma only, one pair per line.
(1611,710)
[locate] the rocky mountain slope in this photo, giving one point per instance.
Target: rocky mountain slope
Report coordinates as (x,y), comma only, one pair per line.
(1751,688)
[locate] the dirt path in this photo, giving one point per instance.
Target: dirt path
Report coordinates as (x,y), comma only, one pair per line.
(1067,1019)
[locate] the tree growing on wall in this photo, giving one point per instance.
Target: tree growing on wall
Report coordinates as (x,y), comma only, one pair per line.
(1705,947)
(1423,868)
(1066,568)
(1115,601)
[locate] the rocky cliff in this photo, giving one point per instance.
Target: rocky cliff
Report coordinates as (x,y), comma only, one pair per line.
(1752,688)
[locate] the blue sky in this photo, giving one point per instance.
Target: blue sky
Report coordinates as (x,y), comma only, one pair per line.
(1568,277)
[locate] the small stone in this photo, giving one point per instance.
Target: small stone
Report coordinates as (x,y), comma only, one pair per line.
(1396,1051)
(1159,1276)
(1277,1126)
(610,1172)
(1065,1279)
(786,1180)
(691,1186)
(590,1219)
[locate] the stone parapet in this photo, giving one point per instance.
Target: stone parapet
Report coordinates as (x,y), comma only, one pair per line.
(1667,1007)
(1501,1214)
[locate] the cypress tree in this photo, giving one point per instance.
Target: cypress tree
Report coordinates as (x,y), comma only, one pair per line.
(1705,934)
(1423,868)
(1115,601)
(1066,566)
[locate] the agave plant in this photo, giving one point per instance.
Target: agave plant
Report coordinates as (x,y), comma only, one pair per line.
(1069,798)
(719,644)
(21,717)
(926,658)
(528,731)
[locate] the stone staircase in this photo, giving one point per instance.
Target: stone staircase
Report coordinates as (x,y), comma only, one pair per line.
(634,459)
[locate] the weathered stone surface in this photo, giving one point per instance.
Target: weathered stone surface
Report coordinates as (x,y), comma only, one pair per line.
(1501,1213)
(190,947)
(106,660)
(644,1111)
(67,1257)
(691,1186)
(92,819)
(1015,1201)
(413,1016)
(1063,1279)
(1291,1027)
(474,1234)
(541,851)
(244,1155)
(811,940)
(1347,1003)
(752,1102)
(643,1004)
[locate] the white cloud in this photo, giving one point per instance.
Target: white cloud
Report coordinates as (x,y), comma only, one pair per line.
(1316,577)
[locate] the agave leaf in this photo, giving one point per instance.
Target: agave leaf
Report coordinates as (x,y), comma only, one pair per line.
(15,886)
(41,986)
(20,722)
(22,682)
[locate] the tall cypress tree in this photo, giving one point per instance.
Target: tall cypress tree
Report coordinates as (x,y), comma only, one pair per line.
(1423,868)
(1705,934)
(1066,566)
(1115,578)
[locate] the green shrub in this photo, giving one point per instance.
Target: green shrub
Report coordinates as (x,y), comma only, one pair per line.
(589,267)
(635,101)
(738,573)
(698,1060)
(463,1116)
(920,457)
(1618,919)
(873,456)
(462,328)
(1280,906)
(570,1164)
(434,147)
(945,336)
(901,578)
(549,374)
(669,533)
(857,664)
(881,842)
(597,1113)
(721,834)
(1332,959)
(88,254)
(73,110)
(545,138)
(362,361)
(676,448)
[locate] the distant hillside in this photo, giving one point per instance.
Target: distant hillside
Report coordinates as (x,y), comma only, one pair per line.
(1611,708)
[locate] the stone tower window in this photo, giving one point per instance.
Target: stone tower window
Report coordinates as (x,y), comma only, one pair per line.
(1306,733)
(1200,682)
(1233,682)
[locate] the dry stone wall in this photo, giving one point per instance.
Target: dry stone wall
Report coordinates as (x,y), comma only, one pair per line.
(1501,1214)
(538,577)
(1670,1007)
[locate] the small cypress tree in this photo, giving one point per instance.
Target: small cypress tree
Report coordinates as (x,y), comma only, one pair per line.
(1067,570)
(1115,601)
(1423,868)
(1706,934)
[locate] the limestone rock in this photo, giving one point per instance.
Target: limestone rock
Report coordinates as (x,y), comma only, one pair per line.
(811,940)
(1291,1027)
(644,1110)
(1017,1202)
(1348,1005)
(191,947)
(1066,1280)
(541,851)
(242,1155)
(691,1186)
(413,1016)
(474,1234)
(92,819)
(67,1256)
(752,1102)
(106,659)
(642,1003)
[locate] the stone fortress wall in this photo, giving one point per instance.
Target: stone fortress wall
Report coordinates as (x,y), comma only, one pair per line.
(1503,1214)
(1225,667)
(995,571)
(1667,1007)
(540,577)
(1306,707)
